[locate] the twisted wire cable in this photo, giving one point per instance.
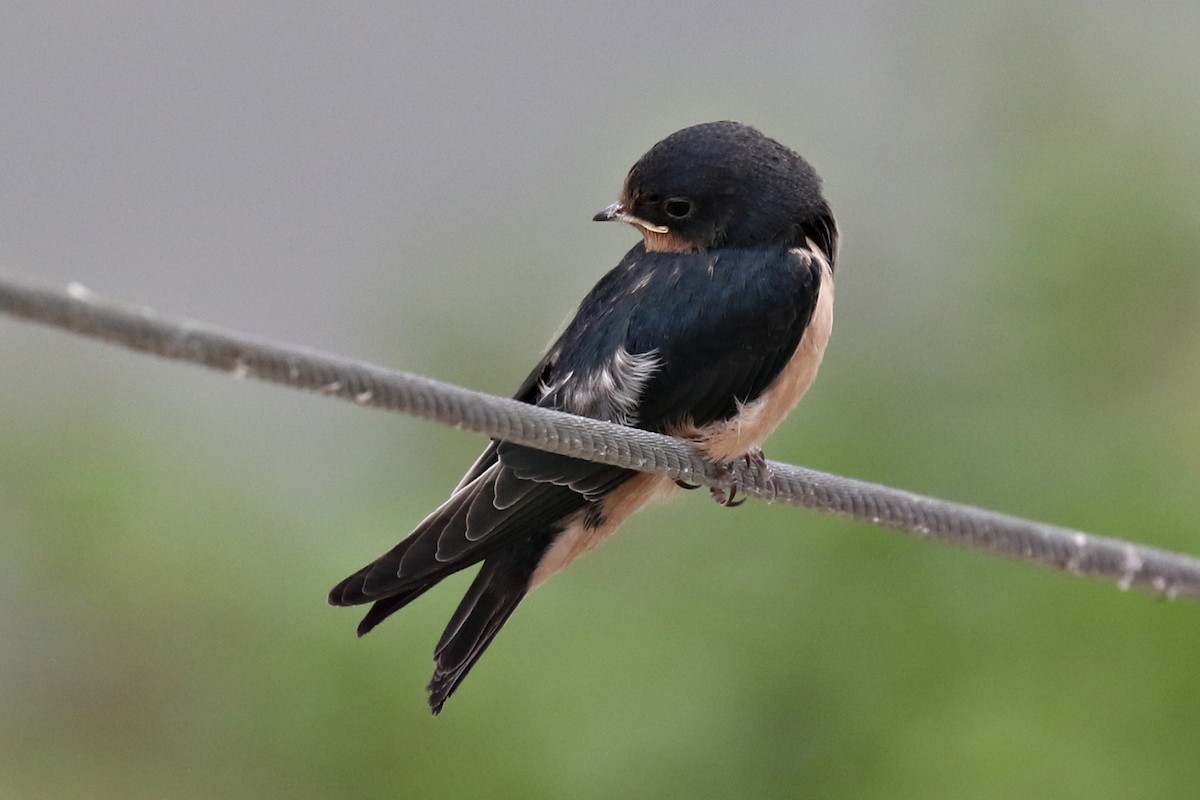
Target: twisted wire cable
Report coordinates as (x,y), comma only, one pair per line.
(79,311)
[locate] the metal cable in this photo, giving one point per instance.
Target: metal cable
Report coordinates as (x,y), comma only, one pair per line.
(77,310)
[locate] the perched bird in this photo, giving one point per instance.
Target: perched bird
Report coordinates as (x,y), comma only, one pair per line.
(710,329)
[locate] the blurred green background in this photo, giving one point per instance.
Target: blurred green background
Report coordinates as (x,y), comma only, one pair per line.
(1017,328)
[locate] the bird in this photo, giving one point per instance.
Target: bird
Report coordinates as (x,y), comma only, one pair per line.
(710,329)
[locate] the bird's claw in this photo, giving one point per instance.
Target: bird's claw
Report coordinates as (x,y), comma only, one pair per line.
(727,498)
(756,461)
(682,484)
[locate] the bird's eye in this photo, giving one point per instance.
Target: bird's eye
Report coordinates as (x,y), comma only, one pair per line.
(678,208)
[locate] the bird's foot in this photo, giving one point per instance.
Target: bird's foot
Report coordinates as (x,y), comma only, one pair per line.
(753,459)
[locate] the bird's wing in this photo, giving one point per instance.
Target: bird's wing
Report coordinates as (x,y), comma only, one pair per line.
(461,532)
(490,506)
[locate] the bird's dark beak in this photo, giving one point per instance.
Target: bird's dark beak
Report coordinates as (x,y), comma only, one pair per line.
(618,212)
(615,211)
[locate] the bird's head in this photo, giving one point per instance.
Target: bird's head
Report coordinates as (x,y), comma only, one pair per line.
(721,184)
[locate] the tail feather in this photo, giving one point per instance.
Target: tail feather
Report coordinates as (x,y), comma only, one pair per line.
(482,613)
(495,593)
(382,609)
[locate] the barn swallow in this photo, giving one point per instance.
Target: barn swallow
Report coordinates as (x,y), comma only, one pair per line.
(710,329)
